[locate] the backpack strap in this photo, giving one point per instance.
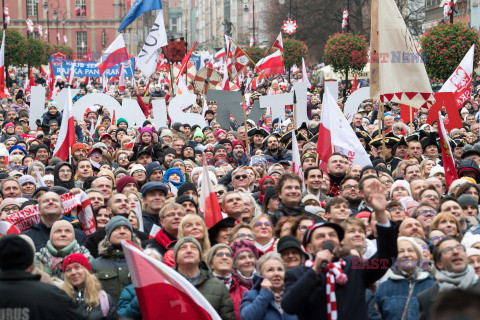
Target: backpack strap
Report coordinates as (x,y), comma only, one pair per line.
(104,304)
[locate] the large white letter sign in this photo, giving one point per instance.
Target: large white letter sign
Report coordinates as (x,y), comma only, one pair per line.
(37,105)
(180,102)
(159,109)
(354,101)
(301,95)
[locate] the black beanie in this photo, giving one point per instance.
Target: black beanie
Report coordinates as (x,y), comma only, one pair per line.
(269,194)
(186,198)
(185,187)
(169,151)
(41,146)
(15,253)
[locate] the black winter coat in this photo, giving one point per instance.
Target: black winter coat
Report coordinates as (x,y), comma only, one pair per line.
(47,117)
(40,235)
(25,297)
(305,291)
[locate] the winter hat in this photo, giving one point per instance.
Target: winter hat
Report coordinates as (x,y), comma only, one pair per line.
(470,239)
(77,146)
(151,167)
(8,202)
(464,200)
(363,214)
(220,131)
(137,167)
(175,161)
(308,155)
(166,133)
(185,198)
(118,171)
(243,245)
(214,249)
(122,120)
(25,179)
(17,147)
(182,241)
(169,172)
(58,224)
(238,142)
(472,252)
(76,257)
(416,246)
(123,181)
(169,151)
(269,194)
(116,222)
(186,187)
(15,253)
(10,124)
(400,183)
(198,133)
(154,185)
(218,147)
(48,177)
(212,176)
(310,197)
(107,173)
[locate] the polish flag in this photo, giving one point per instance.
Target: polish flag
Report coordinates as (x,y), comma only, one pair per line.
(115,53)
(31,79)
(208,200)
(129,145)
(271,65)
(92,130)
(185,61)
(162,292)
(460,82)
(305,74)
(114,118)
(279,42)
(2,68)
(220,54)
(447,155)
(71,74)
(7,228)
(296,160)
(225,81)
(104,83)
(336,133)
(50,81)
(354,84)
(66,137)
(121,80)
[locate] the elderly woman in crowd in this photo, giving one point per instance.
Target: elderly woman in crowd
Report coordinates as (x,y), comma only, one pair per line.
(263,230)
(263,301)
(85,289)
(400,189)
(396,297)
(245,256)
(61,244)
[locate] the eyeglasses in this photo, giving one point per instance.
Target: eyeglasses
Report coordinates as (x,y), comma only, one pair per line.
(266,224)
(219,192)
(171,215)
(222,254)
(345,187)
(243,236)
(240,176)
(10,210)
(122,158)
(432,196)
(449,250)
(438,238)
(427,213)
(96,155)
(138,171)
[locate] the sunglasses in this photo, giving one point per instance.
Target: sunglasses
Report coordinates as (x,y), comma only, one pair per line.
(222,254)
(241,176)
(220,192)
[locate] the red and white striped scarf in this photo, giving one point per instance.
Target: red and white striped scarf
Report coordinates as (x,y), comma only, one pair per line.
(334,274)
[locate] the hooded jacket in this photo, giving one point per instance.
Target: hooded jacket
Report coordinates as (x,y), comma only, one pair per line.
(56,178)
(47,117)
(469,165)
(155,146)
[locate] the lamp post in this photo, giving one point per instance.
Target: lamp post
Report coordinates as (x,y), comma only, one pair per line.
(245,8)
(55,16)
(45,7)
(36,7)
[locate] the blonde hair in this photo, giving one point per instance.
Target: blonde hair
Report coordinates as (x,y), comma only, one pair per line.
(91,286)
(205,242)
(446,216)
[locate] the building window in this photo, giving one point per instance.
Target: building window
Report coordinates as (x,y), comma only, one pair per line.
(474,3)
(174,24)
(82,44)
(31,8)
(80,8)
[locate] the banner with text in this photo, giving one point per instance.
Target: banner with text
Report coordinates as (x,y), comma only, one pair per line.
(61,67)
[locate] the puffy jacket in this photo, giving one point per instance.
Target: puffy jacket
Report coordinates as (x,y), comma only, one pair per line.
(96,312)
(236,293)
(22,292)
(111,268)
(40,235)
(128,306)
(258,304)
(215,292)
(47,117)
(392,295)
(6,136)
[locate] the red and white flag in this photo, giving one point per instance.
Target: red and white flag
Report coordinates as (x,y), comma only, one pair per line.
(29,24)
(342,137)
(447,155)
(460,82)
(296,160)
(271,65)
(2,68)
(7,228)
(66,137)
(71,74)
(354,85)
(121,78)
(162,292)
(185,60)
(65,39)
(115,54)
(237,60)
(208,202)
(278,43)
(305,74)
(129,145)
(220,54)
(225,80)
(58,36)
(7,15)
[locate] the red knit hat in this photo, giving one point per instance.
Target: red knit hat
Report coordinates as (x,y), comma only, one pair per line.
(236,142)
(123,181)
(76,257)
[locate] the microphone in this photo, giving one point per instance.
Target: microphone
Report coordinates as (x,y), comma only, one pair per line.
(327,245)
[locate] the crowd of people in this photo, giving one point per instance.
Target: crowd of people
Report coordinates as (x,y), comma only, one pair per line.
(340,241)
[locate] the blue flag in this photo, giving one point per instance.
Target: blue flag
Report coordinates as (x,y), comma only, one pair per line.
(138,8)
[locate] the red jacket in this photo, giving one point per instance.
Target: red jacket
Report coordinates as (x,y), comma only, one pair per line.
(236,293)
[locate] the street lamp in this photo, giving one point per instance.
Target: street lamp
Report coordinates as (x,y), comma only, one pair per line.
(36,7)
(45,7)
(245,8)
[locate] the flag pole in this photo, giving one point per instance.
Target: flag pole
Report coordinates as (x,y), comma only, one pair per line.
(411,119)
(295,110)
(381,126)
(244,107)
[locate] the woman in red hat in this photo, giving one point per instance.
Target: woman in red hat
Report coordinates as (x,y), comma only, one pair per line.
(85,289)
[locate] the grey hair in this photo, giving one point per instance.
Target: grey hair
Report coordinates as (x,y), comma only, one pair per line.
(266,257)
(149,251)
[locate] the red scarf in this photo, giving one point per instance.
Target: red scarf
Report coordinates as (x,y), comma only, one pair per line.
(162,239)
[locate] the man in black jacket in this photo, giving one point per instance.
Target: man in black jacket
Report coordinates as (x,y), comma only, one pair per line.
(50,208)
(22,295)
(306,287)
